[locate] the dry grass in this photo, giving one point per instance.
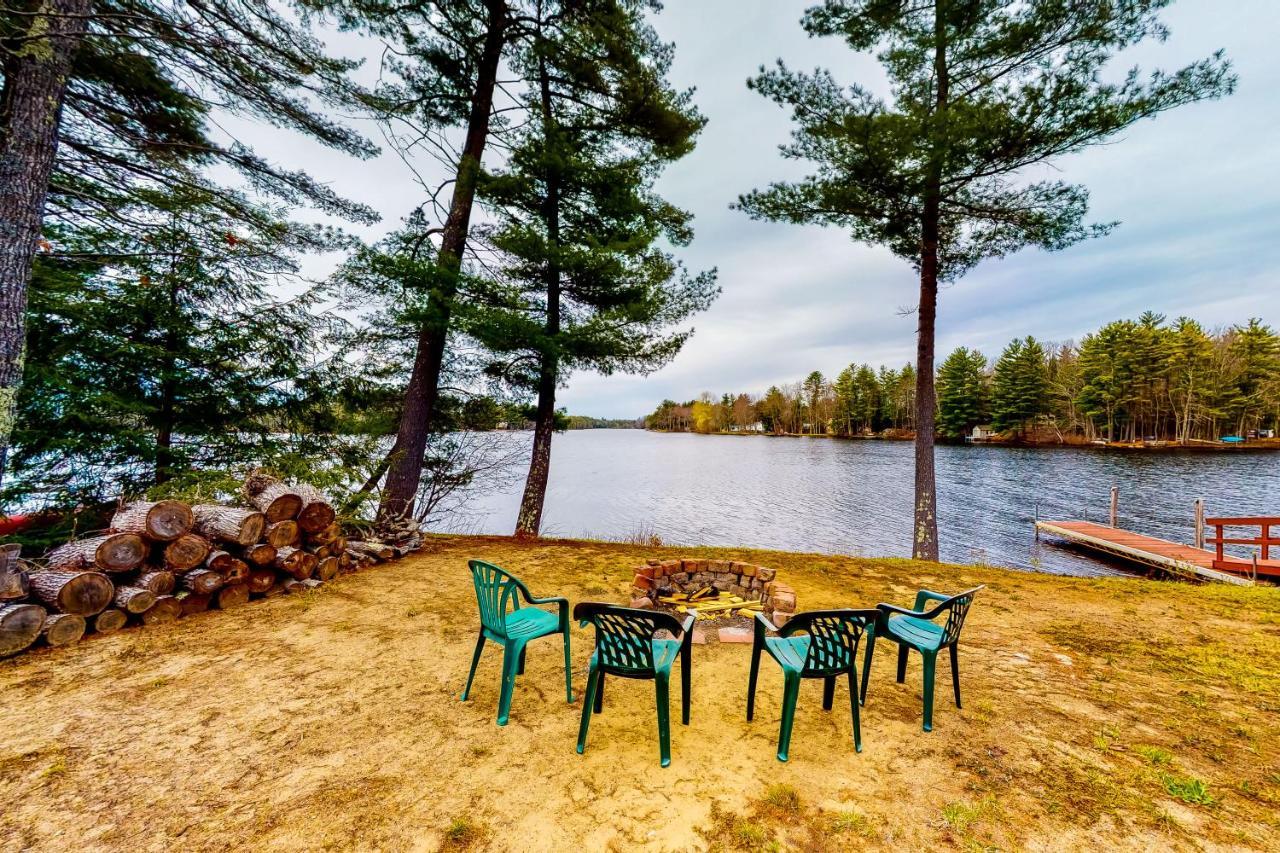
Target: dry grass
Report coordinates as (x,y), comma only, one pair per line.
(1099,714)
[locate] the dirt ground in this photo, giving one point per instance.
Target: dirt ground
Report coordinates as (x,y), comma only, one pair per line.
(1099,714)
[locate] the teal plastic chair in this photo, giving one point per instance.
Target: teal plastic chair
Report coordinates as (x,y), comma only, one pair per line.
(626,647)
(504,621)
(918,629)
(818,644)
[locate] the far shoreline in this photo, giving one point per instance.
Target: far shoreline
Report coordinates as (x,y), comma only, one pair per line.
(1201,446)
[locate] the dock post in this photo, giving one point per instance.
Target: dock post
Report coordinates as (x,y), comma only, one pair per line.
(1200,523)
(1115,504)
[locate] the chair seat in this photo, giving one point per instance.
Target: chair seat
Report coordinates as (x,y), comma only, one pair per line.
(789,652)
(665,653)
(530,622)
(919,633)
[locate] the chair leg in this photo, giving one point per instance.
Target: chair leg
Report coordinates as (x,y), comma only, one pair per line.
(930,664)
(853,703)
(588,699)
(790,695)
(828,692)
(955,673)
(599,704)
(568,671)
(902,663)
(664,719)
(510,665)
(751,682)
(475,661)
(866,666)
(520,668)
(686,680)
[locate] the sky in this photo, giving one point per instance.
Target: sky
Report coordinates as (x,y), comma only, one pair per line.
(1197,193)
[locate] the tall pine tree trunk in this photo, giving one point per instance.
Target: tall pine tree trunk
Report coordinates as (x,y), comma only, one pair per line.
(35,82)
(924,540)
(529,521)
(405,470)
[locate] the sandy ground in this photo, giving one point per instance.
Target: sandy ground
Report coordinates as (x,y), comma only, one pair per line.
(1098,714)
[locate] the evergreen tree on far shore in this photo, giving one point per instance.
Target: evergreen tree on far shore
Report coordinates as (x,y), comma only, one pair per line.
(1020,385)
(962,393)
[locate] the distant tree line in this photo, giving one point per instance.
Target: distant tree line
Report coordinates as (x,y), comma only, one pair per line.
(1147,379)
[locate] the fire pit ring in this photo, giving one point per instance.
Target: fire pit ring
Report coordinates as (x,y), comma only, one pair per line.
(730,577)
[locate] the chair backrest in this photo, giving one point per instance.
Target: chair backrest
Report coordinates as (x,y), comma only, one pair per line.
(957,609)
(624,635)
(495,589)
(833,637)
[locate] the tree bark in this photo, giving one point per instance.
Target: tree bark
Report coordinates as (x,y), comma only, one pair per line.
(117,552)
(404,473)
(35,82)
(924,540)
(14,581)
(529,519)
(229,524)
(162,521)
(81,593)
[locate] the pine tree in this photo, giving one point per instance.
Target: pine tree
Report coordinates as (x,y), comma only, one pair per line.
(981,92)
(962,393)
(584,284)
(1019,386)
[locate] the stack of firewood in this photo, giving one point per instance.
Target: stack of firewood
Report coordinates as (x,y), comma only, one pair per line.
(162,560)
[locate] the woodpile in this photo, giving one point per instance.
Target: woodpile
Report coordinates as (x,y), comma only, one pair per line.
(163,560)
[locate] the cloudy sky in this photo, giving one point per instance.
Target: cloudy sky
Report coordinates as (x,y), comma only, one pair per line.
(1197,192)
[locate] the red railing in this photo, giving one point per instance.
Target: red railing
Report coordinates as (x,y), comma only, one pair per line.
(1263,541)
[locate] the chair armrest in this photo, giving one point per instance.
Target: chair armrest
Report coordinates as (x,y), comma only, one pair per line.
(925,595)
(886,609)
(762,626)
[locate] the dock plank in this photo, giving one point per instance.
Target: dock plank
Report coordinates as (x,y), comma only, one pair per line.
(1172,557)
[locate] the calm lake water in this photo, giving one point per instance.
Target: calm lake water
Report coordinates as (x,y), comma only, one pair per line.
(854,497)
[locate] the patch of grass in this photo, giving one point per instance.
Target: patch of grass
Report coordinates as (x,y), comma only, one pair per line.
(57,768)
(782,800)
(1154,754)
(1188,789)
(851,823)
(462,833)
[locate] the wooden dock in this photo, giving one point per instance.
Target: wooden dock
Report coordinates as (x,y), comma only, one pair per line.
(1182,561)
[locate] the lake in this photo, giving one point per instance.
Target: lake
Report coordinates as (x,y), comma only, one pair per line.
(855,497)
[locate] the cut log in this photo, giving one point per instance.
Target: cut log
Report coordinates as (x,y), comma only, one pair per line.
(325,536)
(375,550)
(231,596)
(275,590)
(327,569)
(283,533)
(220,562)
(316,513)
(261,580)
(292,561)
(320,551)
(310,562)
(81,593)
(110,620)
(229,523)
(185,552)
(166,609)
(238,572)
(159,582)
(337,546)
(311,583)
(193,602)
(63,629)
(14,582)
(116,552)
(134,599)
(162,521)
(278,502)
(20,625)
(202,581)
(262,554)
(292,585)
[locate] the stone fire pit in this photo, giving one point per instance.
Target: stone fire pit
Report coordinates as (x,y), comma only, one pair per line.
(746,580)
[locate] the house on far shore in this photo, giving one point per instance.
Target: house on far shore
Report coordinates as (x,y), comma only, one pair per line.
(982,433)
(758,426)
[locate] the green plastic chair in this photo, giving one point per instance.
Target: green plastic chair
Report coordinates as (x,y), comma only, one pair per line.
(504,621)
(818,644)
(916,629)
(626,647)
